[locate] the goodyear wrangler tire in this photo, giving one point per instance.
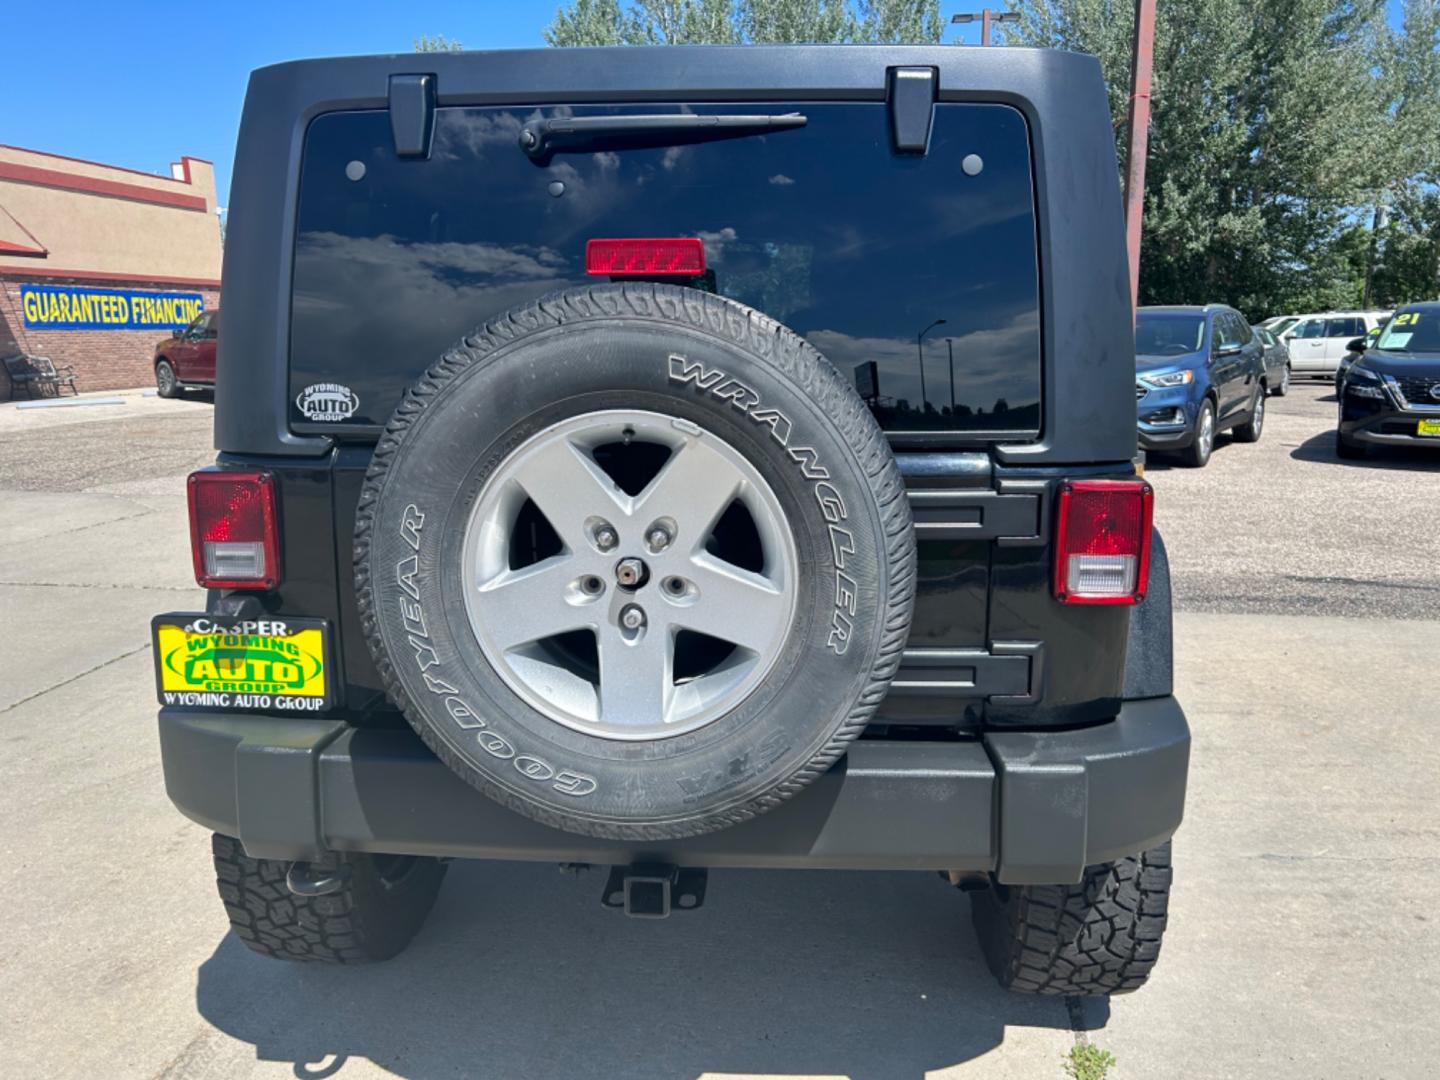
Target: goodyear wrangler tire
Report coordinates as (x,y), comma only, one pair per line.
(635,561)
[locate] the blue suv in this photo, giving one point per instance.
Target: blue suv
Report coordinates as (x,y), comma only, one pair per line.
(1198,372)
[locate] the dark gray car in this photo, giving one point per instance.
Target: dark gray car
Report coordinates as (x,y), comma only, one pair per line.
(1276,361)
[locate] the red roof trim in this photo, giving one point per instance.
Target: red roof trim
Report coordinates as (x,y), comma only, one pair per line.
(53,178)
(21,251)
(29,273)
(118,168)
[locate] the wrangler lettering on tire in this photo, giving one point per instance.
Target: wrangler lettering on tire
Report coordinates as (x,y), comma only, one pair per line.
(662,589)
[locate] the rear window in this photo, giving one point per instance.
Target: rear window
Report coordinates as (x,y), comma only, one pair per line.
(916,276)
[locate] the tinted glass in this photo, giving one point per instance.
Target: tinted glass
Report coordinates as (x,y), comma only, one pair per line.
(1350,327)
(1310,328)
(900,269)
(1229,330)
(1168,335)
(1413,331)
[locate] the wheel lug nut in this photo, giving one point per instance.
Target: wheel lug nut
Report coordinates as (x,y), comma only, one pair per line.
(631,617)
(658,539)
(629,571)
(606,538)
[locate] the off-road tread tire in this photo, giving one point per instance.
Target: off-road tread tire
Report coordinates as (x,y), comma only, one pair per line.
(788,353)
(1100,936)
(360,924)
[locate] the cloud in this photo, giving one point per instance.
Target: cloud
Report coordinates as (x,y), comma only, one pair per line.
(781,180)
(367,296)
(715,241)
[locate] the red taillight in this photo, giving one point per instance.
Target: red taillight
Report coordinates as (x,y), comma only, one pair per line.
(233,533)
(1102,541)
(680,256)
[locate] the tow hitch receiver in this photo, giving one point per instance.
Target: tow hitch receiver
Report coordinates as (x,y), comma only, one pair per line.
(651,890)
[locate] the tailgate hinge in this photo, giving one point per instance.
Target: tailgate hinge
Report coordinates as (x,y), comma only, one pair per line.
(412,114)
(911,93)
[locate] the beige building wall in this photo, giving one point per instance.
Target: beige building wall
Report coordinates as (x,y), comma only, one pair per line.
(98,221)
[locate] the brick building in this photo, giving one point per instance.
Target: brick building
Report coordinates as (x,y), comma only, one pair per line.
(98,263)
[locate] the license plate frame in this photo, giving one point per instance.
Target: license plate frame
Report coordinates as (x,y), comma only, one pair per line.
(276,663)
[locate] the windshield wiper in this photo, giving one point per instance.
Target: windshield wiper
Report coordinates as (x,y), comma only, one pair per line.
(572,134)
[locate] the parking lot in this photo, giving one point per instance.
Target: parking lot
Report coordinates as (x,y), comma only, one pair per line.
(1303,926)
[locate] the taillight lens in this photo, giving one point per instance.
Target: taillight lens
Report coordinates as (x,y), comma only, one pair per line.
(679,256)
(233,532)
(1102,541)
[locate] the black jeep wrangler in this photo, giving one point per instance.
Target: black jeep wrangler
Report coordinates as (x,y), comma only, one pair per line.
(665,459)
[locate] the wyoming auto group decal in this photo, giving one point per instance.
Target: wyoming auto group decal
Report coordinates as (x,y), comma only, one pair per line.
(256,664)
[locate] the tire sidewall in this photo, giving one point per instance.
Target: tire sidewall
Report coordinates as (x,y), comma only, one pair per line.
(726,770)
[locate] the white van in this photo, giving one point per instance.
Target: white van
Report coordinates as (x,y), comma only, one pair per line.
(1317,342)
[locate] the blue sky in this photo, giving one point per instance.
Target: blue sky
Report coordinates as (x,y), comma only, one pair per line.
(139,84)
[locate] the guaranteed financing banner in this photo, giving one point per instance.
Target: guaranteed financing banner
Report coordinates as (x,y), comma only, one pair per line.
(81,307)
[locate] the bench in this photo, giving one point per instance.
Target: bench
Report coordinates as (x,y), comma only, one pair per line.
(33,372)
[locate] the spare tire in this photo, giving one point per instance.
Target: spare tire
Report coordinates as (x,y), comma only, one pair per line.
(635,561)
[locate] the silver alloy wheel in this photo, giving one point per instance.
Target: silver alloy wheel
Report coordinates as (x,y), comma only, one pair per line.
(1207,431)
(635,571)
(165,377)
(1257,417)
(1285,379)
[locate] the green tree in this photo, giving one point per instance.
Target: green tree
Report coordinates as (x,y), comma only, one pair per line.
(436,43)
(1269,135)
(733,22)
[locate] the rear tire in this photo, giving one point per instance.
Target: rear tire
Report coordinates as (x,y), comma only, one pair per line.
(372,917)
(167,384)
(1347,450)
(1284,387)
(1100,936)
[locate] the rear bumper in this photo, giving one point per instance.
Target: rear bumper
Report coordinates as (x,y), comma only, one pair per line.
(1031,807)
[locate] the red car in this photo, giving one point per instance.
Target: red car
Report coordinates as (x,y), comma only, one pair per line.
(188,359)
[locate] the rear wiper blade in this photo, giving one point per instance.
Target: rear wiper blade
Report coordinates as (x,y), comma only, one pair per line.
(572,134)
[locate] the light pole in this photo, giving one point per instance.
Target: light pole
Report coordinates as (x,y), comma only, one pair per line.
(950,348)
(987,17)
(1139,136)
(920,356)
